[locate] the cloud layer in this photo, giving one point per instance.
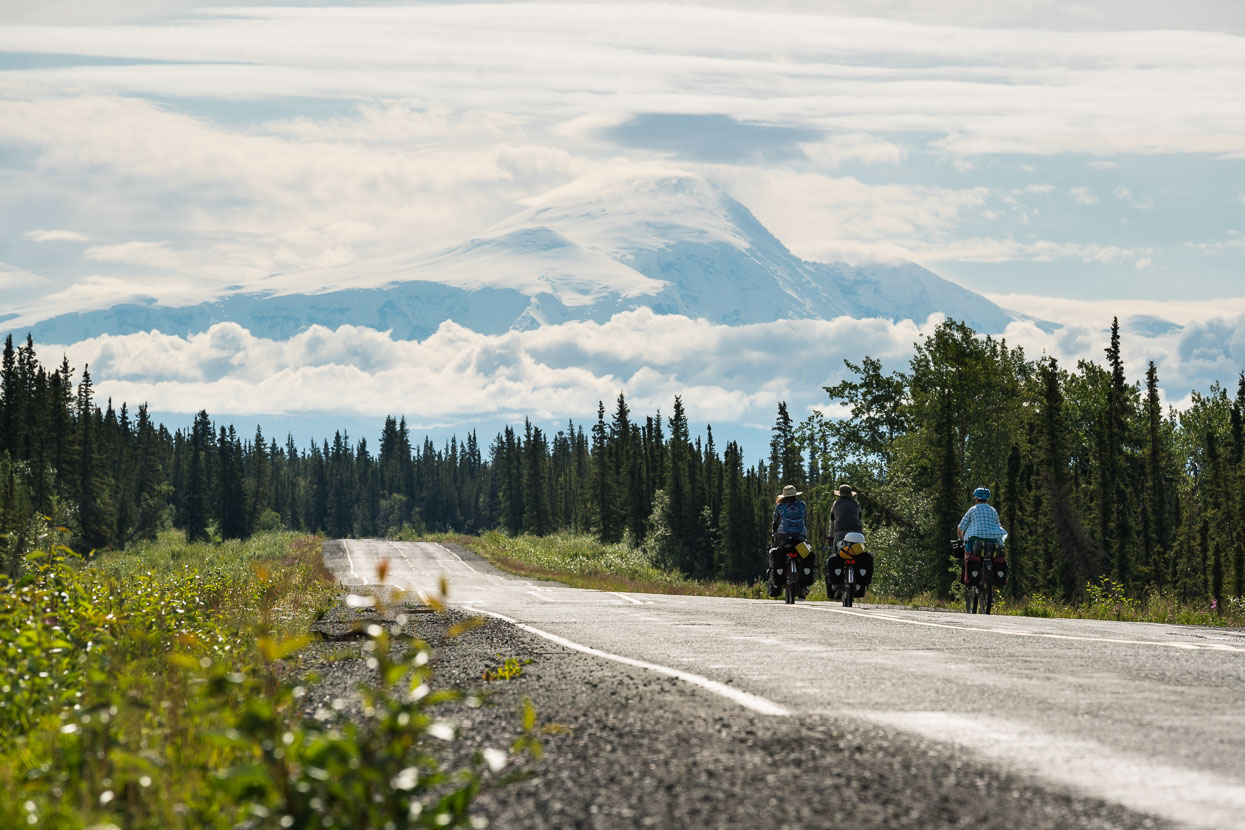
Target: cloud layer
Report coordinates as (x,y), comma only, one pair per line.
(726,375)
(212,147)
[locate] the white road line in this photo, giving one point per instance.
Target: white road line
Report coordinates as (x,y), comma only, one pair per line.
(346,548)
(631,600)
(1188,797)
(744,699)
(1014,633)
(465,565)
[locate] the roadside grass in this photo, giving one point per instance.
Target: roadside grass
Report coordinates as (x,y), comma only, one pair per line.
(581,561)
(159,688)
(1105,600)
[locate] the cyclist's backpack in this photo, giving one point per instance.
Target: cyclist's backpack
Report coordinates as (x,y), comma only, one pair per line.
(972,570)
(1000,571)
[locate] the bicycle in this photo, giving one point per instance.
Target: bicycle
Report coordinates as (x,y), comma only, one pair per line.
(796,550)
(792,590)
(979,583)
(852,563)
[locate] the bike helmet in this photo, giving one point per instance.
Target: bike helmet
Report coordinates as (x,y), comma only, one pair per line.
(853,544)
(982,493)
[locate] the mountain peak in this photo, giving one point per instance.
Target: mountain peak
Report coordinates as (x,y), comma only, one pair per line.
(619,239)
(623,209)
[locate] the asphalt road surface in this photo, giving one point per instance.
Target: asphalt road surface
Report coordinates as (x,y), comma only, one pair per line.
(1114,724)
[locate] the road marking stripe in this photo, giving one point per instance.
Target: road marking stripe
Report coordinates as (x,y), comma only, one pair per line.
(459,558)
(631,600)
(748,701)
(346,548)
(1185,796)
(1179,645)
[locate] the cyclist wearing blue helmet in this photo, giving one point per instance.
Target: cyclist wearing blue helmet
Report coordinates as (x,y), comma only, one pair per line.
(980,526)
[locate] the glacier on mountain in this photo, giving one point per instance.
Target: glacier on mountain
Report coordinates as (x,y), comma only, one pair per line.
(609,242)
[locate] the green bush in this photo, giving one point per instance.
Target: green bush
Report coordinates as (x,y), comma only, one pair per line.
(149,692)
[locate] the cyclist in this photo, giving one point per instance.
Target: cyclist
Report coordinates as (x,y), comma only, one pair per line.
(790,527)
(844,517)
(980,529)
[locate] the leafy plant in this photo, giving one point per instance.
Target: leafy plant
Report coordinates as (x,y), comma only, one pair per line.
(168,696)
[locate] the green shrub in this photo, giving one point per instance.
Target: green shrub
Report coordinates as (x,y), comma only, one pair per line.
(149,692)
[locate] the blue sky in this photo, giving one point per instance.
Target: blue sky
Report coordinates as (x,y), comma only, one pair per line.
(1070,160)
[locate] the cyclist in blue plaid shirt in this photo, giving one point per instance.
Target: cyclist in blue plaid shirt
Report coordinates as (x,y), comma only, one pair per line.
(980,524)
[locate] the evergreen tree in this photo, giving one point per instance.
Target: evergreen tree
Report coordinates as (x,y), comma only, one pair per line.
(96,522)
(197,480)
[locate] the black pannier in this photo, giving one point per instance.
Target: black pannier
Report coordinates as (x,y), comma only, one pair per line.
(835,570)
(972,570)
(864,569)
(1000,571)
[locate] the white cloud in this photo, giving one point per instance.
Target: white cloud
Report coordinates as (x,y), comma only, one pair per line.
(55,236)
(1143,263)
(1124,194)
(857,147)
(1039,188)
(1098,313)
(554,371)
(984,89)
(725,374)
(153,254)
(1103,165)
(825,217)
(1188,355)
(1084,196)
(19,283)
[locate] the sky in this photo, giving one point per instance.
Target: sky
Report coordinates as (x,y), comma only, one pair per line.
(1070,160)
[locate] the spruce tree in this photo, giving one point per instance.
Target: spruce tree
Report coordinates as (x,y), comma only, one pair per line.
(197,496)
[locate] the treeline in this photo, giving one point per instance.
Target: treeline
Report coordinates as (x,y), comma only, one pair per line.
(1093,477)
(111,476)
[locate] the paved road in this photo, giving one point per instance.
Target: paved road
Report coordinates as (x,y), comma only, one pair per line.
(1147,716)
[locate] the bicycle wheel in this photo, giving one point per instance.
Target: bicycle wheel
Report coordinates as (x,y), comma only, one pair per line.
(987,599)
(789,594)
(970,599)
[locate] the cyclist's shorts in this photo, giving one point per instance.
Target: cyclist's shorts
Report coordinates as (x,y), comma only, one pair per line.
(976,544)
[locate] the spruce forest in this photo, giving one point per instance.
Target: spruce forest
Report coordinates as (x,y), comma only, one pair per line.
(1094,477)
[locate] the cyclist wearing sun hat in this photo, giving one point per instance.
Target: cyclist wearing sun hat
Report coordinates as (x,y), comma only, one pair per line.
(789,528)
(980,525)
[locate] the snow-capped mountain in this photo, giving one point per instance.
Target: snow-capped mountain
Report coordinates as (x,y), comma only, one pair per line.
(606,243)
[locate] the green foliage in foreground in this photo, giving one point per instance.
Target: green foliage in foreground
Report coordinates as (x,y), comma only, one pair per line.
(142,693)
(584,562)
